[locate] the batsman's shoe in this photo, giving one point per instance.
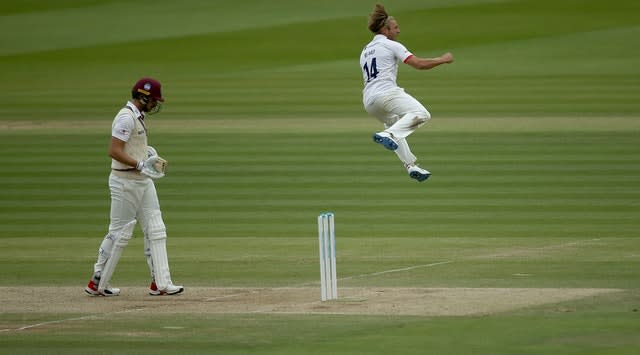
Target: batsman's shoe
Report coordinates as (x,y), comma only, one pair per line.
(416,172)
(386,140)
(169,291)
(92,289)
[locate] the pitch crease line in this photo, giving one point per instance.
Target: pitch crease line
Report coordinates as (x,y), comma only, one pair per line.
(68,320)
(397,270)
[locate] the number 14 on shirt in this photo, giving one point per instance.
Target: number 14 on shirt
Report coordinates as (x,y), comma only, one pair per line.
(370,70)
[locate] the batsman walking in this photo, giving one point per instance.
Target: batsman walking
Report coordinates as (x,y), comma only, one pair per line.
(134,165)
(400,113)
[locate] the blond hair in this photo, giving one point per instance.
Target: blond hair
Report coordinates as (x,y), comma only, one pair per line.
(378,19)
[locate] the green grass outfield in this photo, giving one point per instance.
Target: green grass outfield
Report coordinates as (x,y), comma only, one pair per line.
(533,145)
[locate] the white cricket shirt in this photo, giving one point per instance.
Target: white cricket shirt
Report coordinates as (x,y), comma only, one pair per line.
(379,64)
(128,126)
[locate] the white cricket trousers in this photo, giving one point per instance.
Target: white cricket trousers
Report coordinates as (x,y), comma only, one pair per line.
(130,199)
(402,115)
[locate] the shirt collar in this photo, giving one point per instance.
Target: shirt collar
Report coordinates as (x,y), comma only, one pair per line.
(134,109)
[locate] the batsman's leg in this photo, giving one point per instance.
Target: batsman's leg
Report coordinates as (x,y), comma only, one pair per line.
(103,253)
(121,213)
(123,210)
(157,235)
(153,288)
(121,241)
(147,255)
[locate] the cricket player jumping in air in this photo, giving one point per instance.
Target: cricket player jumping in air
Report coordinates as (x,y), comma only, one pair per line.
(133,195)
(383,99)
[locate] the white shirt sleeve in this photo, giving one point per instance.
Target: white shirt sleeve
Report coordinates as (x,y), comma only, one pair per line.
(123,125)
(400,51)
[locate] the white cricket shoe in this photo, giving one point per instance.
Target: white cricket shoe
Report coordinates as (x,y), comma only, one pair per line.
(170,290)
(386,140)
(416,172)
(92,289)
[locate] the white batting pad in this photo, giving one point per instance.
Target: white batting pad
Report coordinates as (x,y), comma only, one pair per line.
(158,245)
(121,241)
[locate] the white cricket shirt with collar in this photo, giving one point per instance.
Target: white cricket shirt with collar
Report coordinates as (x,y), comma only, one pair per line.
(379,64)
(128,126)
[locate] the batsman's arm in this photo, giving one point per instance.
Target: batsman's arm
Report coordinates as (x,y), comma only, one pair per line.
(429,63)
(116,151)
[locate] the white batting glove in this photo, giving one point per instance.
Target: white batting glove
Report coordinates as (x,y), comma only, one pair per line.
(154,167)
(151,152)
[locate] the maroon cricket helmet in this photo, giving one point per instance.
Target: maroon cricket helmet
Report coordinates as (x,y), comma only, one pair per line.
(149,87)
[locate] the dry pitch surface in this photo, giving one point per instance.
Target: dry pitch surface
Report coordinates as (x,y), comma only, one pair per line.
(287,300)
